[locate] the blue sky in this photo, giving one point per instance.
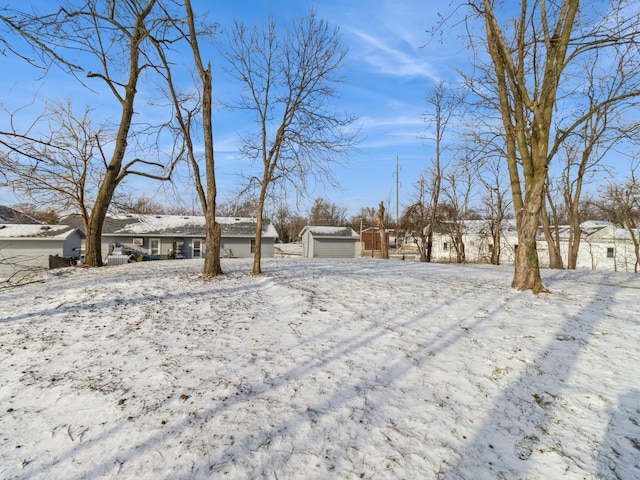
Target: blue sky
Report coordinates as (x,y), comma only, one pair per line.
(391,64)
(388,71)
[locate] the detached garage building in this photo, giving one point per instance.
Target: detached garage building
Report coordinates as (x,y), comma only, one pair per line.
(329,242)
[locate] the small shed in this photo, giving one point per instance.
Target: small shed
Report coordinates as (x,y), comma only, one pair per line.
(329,242)
(25,248)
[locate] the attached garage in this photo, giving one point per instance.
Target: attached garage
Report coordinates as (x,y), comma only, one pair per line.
(329,242)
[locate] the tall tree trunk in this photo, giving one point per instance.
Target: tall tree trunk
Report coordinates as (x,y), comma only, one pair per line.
(384,243)
(527,265)
(93,254)
(552,236)
(572,199)
(424,248)
(574,242)
(495,251)
(435,197)
(212,266)
(257,255)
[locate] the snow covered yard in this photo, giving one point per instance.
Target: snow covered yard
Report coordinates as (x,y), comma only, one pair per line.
(319,369)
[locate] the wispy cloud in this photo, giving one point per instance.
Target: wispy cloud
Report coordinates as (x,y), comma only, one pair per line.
(386,58)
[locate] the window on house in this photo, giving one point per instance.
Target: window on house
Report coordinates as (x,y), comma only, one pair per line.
(610,252)
(154,246)
(445,246)
(253,245)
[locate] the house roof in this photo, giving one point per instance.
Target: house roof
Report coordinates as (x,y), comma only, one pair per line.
(612,233)
(9,215)
(177,225)
(588,229)
(330,232)
(36,232)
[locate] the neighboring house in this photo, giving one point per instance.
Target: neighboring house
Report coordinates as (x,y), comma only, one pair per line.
(477,240)
(603,246)
(25,248)
(177,236)
(329,242)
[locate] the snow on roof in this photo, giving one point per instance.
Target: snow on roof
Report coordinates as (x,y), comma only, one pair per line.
(507,225)
(45,232)
(180,225)
(592,224)
(614,232)
(325,231)
(157,223)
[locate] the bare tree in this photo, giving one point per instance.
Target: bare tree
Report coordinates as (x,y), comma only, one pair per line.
(187,108)
(239,207)
(495,201)
(584,144)
(324,212)
(289,77)
(444,102)
(64,169)
(33,212)
(621,202)
(113,39)
(377,218)
(140,205)
(288,224)
(417,216)
(457,188)
(529,59)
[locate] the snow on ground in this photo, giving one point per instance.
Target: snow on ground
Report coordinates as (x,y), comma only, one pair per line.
(319,369)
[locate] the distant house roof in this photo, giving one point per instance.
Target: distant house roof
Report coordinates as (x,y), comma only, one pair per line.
(588,229)
(611,233)
(176,225)
(10,215)
(40,232)
(330,232)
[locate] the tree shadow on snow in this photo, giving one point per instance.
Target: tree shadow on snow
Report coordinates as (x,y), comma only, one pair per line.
(517,427)
(619,456)
(286,425)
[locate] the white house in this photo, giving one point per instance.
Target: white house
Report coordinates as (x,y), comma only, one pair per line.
(603,246)
(25,248)
(477,239)
(177,236)
(329,242)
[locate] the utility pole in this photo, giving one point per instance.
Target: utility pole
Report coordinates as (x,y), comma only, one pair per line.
(397,201)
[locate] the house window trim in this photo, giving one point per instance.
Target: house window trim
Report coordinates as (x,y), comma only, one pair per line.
(151,240)
(198,249)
